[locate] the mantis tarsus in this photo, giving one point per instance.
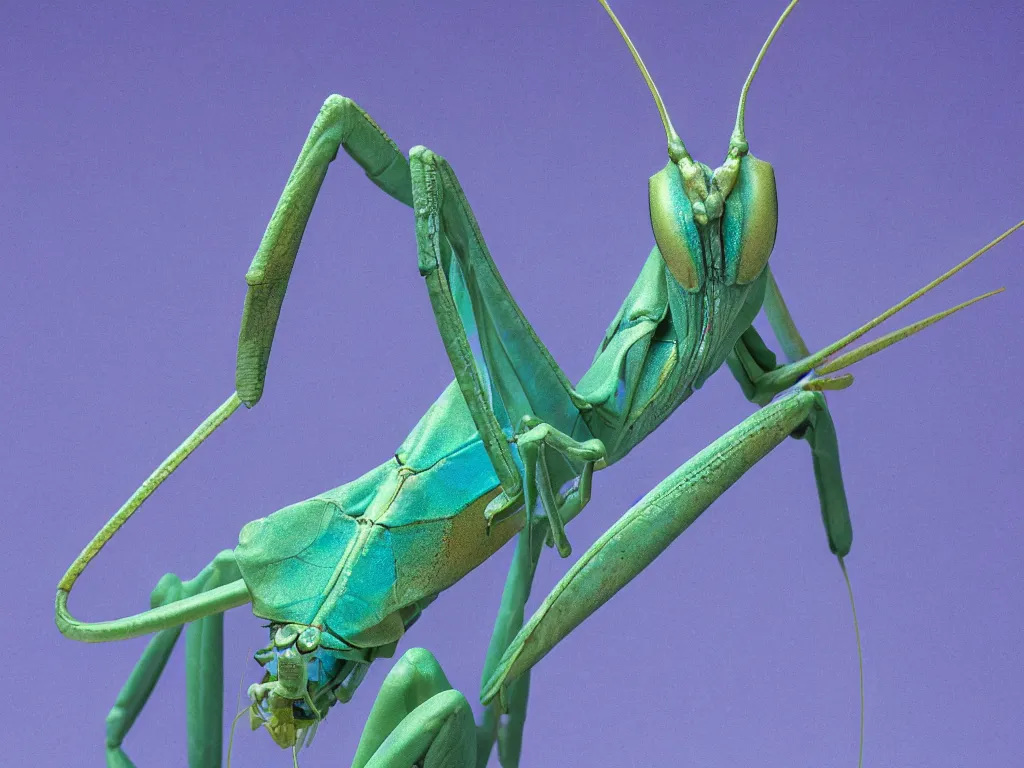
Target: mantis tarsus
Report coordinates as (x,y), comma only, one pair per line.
(668,327)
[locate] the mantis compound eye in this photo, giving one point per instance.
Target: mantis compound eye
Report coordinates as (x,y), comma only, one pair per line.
(309,640)
(286,635)
(675,230)
(750,221)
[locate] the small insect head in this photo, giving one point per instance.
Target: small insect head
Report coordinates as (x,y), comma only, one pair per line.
(303,678)
(735,205)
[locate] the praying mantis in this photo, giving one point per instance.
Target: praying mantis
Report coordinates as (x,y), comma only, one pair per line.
(543,467)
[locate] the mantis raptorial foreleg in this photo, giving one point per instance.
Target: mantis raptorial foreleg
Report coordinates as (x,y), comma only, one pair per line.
(749,361)
(418,720)
(821,436)
(508,378)
(644,531)
(204,652)
(512,379)
(534,444)
(657,519)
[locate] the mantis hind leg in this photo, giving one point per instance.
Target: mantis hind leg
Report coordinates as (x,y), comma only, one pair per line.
(204,659)
(341,124)
(418,720)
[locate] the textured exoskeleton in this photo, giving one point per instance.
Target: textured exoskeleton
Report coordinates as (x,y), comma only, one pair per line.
(507,451)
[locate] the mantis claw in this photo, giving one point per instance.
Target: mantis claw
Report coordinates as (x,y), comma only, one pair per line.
(534,438)
(500,507)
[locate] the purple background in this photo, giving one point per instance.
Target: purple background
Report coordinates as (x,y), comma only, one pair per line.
(143,151)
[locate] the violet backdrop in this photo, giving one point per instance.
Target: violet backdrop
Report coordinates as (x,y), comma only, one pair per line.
(144,147)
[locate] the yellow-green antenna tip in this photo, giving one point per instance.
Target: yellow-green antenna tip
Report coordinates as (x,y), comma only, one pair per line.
(739,138)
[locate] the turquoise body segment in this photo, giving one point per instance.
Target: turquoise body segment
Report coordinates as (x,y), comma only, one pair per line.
(508,450)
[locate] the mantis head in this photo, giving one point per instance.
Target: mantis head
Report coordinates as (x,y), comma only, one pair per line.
(688,202)
(712,226)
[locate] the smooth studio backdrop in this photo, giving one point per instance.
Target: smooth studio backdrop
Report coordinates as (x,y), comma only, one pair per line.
(143,149)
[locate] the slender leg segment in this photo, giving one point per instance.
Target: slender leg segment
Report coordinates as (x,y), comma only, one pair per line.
(749,361)
(643,532)
(418,720)
(503,370)
(135,693)
(821,436)
(507,729)
(341,123)
(754,366)
(205,663)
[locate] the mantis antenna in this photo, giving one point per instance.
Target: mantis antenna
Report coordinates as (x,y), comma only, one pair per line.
(676,148)
(739,138)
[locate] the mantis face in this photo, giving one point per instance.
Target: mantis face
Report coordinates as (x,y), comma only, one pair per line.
(302,680)
(714,230)
(715,226)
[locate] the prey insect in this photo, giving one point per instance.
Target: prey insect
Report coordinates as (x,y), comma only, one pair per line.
(507,451)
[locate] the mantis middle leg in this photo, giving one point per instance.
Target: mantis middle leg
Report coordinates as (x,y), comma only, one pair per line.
(205,670)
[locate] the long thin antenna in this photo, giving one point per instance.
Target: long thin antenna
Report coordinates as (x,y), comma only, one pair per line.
(676,148)
(860,661)
(231,734)
(739,137)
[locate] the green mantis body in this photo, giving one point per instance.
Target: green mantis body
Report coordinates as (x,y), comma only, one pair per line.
(508,449)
